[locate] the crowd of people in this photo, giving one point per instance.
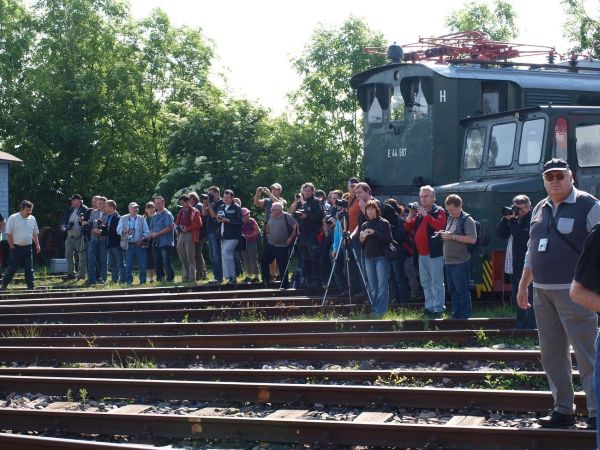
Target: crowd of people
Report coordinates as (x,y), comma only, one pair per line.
(381,250)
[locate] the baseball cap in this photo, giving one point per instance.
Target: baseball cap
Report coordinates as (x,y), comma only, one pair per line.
(353,180)
(245,212)
(555,164)
(76,197)
(133,205)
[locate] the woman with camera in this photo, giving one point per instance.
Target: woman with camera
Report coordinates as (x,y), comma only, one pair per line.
(375,235)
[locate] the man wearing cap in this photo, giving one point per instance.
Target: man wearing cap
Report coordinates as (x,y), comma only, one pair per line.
(133,228)
(273,195)
(559,226)
(187,227)
(74,243)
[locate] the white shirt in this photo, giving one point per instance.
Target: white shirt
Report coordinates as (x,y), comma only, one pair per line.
(22,229)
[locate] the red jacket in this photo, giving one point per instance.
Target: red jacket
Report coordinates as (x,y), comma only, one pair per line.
(196,221)
(421,235)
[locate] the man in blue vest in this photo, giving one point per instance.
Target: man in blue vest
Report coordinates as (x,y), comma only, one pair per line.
(560,224)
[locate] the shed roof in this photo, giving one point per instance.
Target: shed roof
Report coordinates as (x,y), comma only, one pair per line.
(8,157)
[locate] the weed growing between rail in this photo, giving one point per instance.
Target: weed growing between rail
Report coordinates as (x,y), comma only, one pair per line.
(22,332)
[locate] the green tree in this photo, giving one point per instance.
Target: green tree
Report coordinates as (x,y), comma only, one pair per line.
(581,29)
(325,100)
(499,24)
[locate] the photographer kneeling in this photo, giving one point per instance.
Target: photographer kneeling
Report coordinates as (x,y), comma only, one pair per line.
(309,213)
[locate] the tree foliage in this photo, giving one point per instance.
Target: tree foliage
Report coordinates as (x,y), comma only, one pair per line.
(581,29)
(498,23)
(96,98)
(325,100)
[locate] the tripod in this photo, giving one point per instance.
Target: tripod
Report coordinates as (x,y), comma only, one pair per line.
(287,266)
(343,248)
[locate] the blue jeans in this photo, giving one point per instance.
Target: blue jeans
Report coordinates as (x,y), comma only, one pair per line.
(96,255)
(214,252)
(117,264)
(378,271)
(431,272)
(458,279)
(140,254)
(162,263)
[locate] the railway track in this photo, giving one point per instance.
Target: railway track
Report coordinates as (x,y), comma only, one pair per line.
(163,347)
(315,432)
(330,339)
(274,327)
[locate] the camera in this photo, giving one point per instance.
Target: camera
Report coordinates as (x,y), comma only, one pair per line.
(298,213)
(98,223)
(413,205)
(510,210)
(341,203)
(203,197)
(145,242)
(69,226)
(330,220)
(298,196)
(179,228)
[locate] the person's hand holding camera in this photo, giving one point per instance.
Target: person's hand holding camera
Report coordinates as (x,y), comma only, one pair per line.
(445,235)
(422,211)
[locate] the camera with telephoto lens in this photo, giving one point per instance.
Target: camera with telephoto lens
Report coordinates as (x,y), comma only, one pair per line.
(298,213)
(413,206)
(510,210)
(341,203)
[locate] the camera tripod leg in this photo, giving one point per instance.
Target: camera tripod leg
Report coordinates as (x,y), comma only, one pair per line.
(362,275)
(287,266)
(347,259)
(337,254)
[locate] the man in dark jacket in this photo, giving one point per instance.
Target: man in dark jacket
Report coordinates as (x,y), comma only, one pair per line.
(113,242)
(75,242)
(309,213)
(517,225)
(229,217)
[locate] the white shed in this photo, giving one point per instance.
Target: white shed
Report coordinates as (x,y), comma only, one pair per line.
(5,160)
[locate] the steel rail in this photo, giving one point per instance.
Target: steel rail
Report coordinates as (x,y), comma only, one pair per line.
(278,375)
(314,432)
(161,315)
(285,394)
(254,356)
(339,339)
(134,305)
(220,290)
(290,326)
(23,442)
(156,297)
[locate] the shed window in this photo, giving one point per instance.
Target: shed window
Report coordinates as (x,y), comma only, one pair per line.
(532,136)
(502,144)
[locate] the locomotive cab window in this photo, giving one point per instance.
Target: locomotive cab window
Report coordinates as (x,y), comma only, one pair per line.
(490,102)
(588,145)
(502,144)
(532,136)
(474,148)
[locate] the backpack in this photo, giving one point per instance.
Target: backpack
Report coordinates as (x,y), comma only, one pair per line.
(472,248)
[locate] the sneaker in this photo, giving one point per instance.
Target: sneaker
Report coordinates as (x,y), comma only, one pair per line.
(255,280)
(247,280)
(232,281)
(591,423)
(557,420)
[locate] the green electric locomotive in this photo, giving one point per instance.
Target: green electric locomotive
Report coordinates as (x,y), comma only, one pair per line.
(459,115)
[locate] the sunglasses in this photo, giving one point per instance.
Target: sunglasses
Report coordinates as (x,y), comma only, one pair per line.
(554,176)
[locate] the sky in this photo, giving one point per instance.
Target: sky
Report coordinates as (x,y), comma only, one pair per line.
(256,40)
